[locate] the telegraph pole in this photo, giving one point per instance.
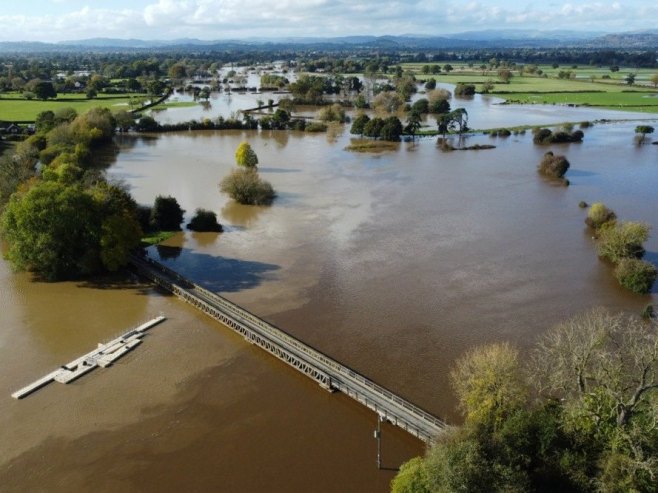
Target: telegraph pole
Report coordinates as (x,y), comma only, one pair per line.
(378,436)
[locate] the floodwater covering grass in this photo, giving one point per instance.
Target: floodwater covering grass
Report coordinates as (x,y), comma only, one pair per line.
(156,237)
(175,104)
(15,108)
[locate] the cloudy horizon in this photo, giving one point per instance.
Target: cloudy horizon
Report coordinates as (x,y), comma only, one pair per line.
(61,20)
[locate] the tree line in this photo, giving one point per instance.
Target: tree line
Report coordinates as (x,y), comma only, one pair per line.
(578,414)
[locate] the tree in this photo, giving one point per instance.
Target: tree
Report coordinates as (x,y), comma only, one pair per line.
(412,477)
(245,156)
(44,90)
(413,124)
(488,384)
(623,240)
(553,166)
(333,113)
(654,80)
(644,130)
(373,127)
(124,120)
(246,187)
(45,121)
(205,221)
(606,365)
(391,129)
(166,214)
(636,275)
(61,231)
(358,124)
(504,74)
(630,79)
(464,90)
(48,230)
(430,84)
(487,86)
(447,68)
(599,215)
(388,102)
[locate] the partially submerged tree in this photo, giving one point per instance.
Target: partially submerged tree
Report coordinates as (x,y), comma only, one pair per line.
(599,215)
(245,156)
(204,221)
(623,240)
(245,186)
(166,214)
(553,166)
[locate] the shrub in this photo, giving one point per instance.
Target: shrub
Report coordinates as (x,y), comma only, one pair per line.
(504,132)
(246,156)
(546,136)
(359,124)
(315,127)
(421,106)
(553,166)
(636,275)
(462,89)
(599,215)
(166,214)
(644,129)
(205,221)
(333,113)
(623,240)
(245,186)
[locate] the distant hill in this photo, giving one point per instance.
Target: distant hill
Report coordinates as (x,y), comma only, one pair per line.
(504,38)
(638,40)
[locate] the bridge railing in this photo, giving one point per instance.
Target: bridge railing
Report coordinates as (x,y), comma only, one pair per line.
(312,353)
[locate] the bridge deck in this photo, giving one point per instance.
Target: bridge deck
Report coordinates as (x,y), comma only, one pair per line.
(328,372)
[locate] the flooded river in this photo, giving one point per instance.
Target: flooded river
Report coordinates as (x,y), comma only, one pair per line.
(394,264)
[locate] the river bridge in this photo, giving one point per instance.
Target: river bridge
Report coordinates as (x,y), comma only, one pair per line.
(329,373)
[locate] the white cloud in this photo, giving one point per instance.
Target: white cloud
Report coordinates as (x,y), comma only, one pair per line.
(216,19)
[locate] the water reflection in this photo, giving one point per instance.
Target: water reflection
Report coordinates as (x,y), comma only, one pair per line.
(205,239)
(222,274)
(241,215)
(167,252)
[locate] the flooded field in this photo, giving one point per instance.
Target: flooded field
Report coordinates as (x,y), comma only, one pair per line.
(393,263)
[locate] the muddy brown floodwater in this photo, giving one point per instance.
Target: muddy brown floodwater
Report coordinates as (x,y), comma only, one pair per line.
(394,264)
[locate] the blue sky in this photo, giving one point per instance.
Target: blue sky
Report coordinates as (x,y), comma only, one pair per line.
(57,20)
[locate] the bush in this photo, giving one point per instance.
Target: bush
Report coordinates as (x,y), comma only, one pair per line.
(636,275)
(333,113)
(315,127)
(246,187)
(462,89)
(644,129)
(623,240)
(421,106)
(553,166)
(359,124)
(205,221)
(546,136)
(166,214)
(245,156)
(599,215)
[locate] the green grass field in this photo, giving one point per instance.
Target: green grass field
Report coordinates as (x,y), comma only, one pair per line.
(587,88)
(14,108)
